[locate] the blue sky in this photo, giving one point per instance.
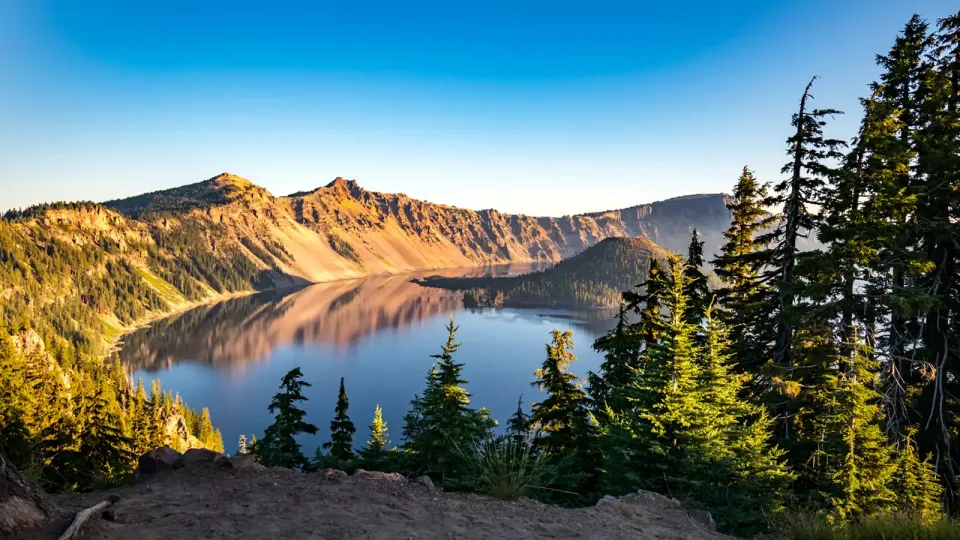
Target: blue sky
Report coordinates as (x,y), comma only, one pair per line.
(544,108)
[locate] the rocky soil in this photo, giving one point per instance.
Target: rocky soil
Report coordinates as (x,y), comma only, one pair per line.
(208,501)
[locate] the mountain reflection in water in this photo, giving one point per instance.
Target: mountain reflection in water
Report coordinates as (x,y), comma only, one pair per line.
(231,334)
(378,332)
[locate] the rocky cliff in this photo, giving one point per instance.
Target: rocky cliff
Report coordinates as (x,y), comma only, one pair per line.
(342,230)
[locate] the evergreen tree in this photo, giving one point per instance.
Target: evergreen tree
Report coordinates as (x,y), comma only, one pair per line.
(687,432)
(279,448)
(341,430)
(808,169)
(861,469)
(566,432)
(621,351)
(242,445)
(699,290)
(745,294)
(647,304)
(441,423)
(891,149)
(917,484)
(937,228)
(103,453)
(374,455)
(518,427)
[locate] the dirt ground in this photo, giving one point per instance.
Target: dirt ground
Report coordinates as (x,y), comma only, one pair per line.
(209,502)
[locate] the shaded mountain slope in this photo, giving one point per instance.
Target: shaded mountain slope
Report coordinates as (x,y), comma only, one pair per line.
(594,277)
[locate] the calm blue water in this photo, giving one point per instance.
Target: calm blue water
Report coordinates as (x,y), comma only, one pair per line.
(378,333)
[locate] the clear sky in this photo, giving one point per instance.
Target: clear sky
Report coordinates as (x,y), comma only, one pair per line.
(543,108)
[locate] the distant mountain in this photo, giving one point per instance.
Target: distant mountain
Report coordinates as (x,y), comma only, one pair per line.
(593,278)
(82,273)
(342,230)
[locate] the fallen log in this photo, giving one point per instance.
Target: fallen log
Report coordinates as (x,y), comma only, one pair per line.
(84,515)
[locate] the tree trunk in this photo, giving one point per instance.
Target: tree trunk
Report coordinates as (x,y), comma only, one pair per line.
(22,504)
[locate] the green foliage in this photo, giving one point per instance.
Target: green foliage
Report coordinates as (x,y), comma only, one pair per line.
(441,420)
(814,526)
(685,431)
(565,430)
(341,429)
(518,427)
(504,468)
(917,485)
(279,448)
(743,298)
(375,454)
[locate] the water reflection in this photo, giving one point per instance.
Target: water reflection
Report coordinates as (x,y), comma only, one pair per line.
(377,332)
(232,334)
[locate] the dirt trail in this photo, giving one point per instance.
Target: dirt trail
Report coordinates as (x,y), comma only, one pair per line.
(213,503)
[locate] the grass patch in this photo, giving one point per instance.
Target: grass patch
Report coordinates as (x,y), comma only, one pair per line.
(502,468)
(166,291)
(815,526)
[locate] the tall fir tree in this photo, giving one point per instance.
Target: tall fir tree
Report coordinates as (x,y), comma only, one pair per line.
(937,227)
(341,429)
(699,288)
(566,433)
(621,349)
(744,296)
(798,195)
(279,447)
(242,445)
(441,423)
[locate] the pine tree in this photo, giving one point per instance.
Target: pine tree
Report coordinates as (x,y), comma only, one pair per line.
(621,351)
(753,477)
(375,453)
(938,235)
(647,304)
(698,289)
(808,170)
(440,423)
(917,484)
(341,430)
(744,295)
(242,445)
(518,427)
(279,448)
(566,432)
(103,453)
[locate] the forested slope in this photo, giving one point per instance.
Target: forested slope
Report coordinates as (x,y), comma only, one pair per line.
(593,278)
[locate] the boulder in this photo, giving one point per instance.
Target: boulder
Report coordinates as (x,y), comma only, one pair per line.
(703,519)
(427,482)
(159,460)
(653,497)
(242,462)
(375,475)
(22,504)
(199,456)
(607,499)
(331,476)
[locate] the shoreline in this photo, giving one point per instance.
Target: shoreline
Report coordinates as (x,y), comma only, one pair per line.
(115,344)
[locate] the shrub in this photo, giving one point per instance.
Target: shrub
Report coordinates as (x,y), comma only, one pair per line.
(502,468)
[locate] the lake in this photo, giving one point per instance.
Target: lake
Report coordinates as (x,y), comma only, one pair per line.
(377,332)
